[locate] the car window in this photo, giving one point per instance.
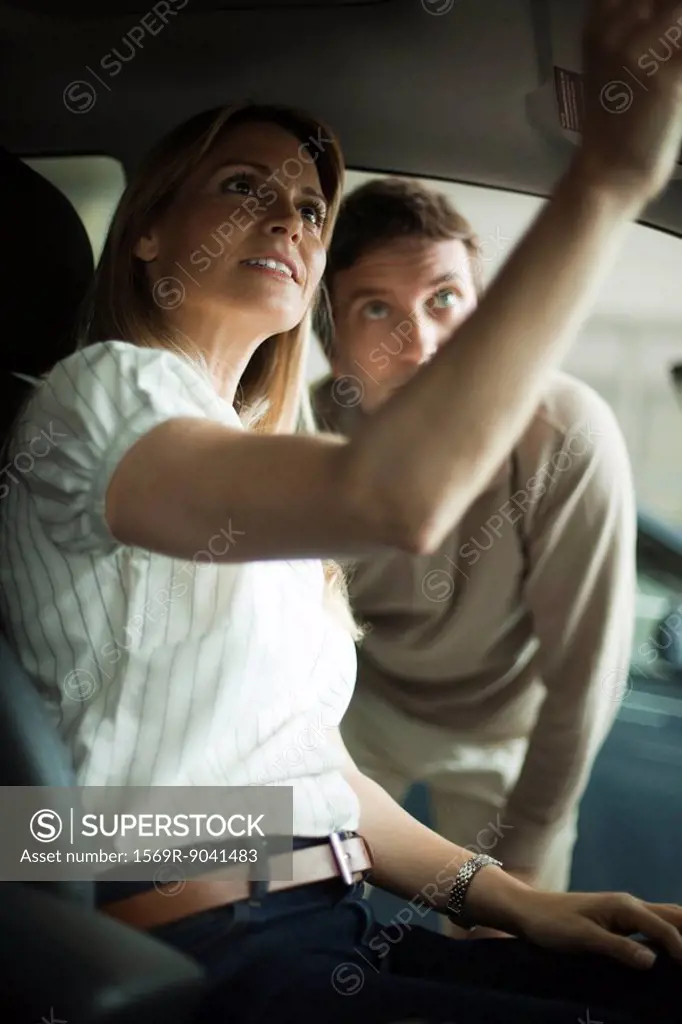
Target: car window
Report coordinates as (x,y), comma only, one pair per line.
(658,629)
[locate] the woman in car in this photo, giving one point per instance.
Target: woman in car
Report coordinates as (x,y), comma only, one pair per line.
(176,527)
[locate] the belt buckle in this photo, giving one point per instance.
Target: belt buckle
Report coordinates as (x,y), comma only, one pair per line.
(341,857)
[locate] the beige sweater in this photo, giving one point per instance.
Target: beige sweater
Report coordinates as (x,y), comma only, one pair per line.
(455,637)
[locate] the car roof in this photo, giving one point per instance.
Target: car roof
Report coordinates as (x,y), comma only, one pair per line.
(460,90)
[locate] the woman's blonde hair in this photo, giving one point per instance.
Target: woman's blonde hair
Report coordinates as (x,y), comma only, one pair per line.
(272,392)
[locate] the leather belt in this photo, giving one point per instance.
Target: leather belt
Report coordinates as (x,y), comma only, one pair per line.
(347,858)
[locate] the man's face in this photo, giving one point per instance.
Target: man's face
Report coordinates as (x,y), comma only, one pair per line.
(395,307)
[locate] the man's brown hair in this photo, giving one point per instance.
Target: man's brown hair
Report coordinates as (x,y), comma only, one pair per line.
(382,211)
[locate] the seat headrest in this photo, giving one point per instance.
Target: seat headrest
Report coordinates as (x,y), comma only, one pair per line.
(48,269)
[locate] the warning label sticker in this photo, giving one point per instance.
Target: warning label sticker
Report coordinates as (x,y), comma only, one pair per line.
(617,98)
(570,96)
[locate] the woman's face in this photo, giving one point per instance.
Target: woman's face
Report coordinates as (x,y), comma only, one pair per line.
(240,248)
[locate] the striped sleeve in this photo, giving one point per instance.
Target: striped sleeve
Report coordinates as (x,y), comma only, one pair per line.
(87,412)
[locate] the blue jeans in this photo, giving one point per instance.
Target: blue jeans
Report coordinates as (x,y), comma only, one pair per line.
(317,954)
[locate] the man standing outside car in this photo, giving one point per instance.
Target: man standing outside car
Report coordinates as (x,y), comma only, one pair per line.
(491,669)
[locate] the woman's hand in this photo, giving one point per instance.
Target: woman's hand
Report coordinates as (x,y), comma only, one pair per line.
(481,931)
(633,115)
(600,923)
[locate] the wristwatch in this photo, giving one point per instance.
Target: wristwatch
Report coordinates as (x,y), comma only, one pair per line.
(455,904)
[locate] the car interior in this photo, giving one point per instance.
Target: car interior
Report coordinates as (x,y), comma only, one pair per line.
(478,93)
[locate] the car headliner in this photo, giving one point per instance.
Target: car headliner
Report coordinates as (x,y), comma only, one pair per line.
(407,89)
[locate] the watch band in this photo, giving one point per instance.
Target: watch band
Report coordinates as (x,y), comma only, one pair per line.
(455,904)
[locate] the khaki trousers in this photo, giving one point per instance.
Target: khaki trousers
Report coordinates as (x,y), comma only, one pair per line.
(469,775)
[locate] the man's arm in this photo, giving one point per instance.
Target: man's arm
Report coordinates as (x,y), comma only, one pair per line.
(581,592)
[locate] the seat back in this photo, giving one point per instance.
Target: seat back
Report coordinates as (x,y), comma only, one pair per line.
(50,259)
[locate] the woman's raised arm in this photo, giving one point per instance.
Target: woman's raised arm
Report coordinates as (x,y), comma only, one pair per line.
(407,476)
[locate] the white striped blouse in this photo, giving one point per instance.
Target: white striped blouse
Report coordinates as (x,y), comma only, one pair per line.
(162,671)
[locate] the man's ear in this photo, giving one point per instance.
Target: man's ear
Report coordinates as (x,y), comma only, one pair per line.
(147,248)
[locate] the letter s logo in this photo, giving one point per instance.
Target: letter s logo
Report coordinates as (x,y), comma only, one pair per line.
(46,826)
